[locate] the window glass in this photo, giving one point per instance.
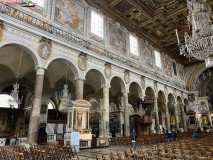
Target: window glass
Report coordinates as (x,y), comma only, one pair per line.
(158,59)
(6,101)
(97,24)
(133,45)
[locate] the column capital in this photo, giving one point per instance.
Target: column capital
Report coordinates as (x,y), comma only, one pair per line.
(125,92)
(40,71)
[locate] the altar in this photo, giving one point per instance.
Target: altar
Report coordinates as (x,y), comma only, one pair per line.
(78,121)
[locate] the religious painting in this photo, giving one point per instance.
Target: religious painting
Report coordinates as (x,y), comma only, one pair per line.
(143,83)
(167,66)
(3,121)
(81,120)
(108,71)
(70,14)
(82,63)
(44,50)
(126,77)
(205,120)
(117,38)
(181,73)
(147,56)
(203,105)
(1,34)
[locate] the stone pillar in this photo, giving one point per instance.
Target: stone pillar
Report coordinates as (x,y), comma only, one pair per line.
(167,116)
(157,125)
(35,113)
(126,114)
(106,110)
(184,119)
(121,121)
(79,89)
(176,115)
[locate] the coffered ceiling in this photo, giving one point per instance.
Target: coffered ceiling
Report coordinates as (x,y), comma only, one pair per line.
(153,20)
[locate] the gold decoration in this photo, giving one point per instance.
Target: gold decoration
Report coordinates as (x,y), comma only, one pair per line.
(82,63)
(45,50)
(1,34)
(143,82)
(108,71)
(126,77)
(155,86)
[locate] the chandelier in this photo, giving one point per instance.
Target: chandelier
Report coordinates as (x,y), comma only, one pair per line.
(199,45)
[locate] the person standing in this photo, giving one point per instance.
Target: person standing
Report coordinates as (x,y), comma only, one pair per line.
(134,138)
(173,135)
(167,136)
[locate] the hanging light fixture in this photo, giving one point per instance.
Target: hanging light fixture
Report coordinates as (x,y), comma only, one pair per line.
(199,45)
(65,96)
(15,91)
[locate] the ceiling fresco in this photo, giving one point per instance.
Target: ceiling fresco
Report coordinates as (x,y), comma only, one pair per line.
(153,20)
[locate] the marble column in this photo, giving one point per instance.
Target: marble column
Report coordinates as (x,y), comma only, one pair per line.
(184,119)
(126,114)
(157,124)
(79,93)
(106,110)
(35,113)
(167,116)
(176,116)
(121,121)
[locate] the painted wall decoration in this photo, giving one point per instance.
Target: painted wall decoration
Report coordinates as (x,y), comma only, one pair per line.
(70,14)
(181,73)
(82,63)
(147,56)
(143,82)
(167,66)
(126,77)
(117,38)
(45,50)
(108,71)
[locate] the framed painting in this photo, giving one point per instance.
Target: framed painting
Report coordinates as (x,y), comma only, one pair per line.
(82,63)
(117,38)
(71,14)
(81,120)
(45,50)
(147,56)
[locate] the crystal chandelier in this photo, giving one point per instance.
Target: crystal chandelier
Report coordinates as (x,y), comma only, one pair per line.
(199,45)
(14,94)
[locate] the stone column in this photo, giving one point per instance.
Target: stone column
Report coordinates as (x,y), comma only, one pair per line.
(176,116)
(79,89)
(126,114)
(167,116)
(35,113)
(157,124)
(106,110)
(184,119)
(121,121)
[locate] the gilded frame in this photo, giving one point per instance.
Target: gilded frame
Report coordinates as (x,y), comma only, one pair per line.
(108,66)
(83,113)
(39,50)
(1,31)
(82,68)
(126,74)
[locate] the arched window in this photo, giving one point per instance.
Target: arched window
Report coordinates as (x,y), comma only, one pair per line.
(51,105)
(7,101)
(39,2)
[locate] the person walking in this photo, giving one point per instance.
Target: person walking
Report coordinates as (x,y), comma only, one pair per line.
(167,136)
(134,138)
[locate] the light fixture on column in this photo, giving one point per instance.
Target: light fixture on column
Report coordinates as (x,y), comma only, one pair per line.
(15,91)
(65,96)
(199,45)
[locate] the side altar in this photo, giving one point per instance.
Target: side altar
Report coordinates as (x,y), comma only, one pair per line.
(78,121)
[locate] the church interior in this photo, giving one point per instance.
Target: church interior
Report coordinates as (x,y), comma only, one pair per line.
(78,79)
